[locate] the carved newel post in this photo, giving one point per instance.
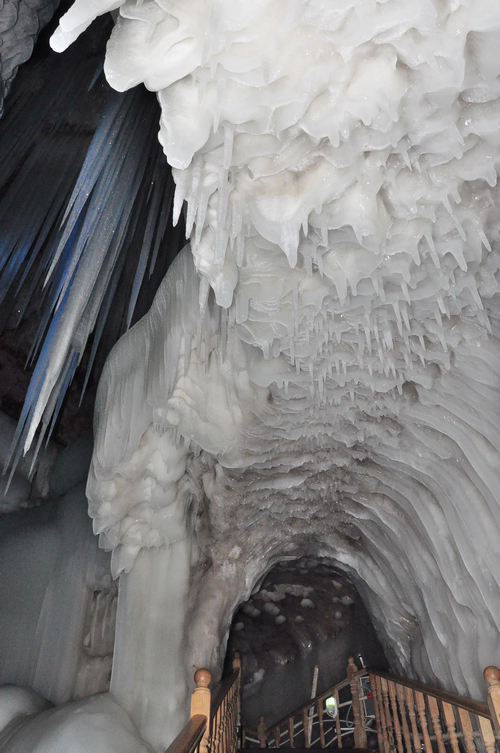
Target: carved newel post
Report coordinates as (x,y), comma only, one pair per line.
(200,702)
(261,732)
(492,677)
(357,708)
(236,661)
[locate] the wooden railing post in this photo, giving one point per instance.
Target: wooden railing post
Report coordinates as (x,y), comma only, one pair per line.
(359,717)
(492,677)
(237,667)
(262,732)
(200,703)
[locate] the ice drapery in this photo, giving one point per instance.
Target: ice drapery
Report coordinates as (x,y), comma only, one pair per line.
(319,374)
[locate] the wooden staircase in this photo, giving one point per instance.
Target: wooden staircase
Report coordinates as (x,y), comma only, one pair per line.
(367,711)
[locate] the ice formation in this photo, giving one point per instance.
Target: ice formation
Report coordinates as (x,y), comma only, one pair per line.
(82,218)
(319,373)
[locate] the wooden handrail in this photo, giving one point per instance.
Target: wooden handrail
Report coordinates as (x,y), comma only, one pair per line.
(476,707)
(263,734)
(492,677)
(215,718)
(413,717)
(190,736)
(221,690)
(407,717)
(325,694)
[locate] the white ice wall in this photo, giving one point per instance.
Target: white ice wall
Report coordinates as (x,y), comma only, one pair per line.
(56,591)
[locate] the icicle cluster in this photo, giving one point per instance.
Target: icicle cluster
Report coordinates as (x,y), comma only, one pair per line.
(84,220)
(355,144)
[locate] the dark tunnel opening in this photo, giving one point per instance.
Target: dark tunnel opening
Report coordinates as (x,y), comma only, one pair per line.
(304,613)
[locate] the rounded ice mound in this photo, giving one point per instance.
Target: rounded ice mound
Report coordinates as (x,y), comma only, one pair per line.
(16,701)
(93,725)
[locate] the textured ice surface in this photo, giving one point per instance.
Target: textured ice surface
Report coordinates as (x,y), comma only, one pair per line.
(30,483)
(20,22)
(319,374)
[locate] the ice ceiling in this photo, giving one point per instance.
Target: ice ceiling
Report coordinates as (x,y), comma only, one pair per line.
(319,372)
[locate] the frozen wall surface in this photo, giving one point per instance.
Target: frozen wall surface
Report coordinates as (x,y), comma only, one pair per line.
(57,598)
(319,373)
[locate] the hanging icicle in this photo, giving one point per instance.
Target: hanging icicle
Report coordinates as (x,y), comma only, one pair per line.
(84,223)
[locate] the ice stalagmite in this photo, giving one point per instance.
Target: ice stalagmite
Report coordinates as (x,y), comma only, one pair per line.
(319,373)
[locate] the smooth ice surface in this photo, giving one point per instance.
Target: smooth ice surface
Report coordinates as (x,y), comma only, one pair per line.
(57,599)
(319,373)
(95,724)
(15,701)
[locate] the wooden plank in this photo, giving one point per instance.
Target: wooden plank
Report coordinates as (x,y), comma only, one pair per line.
(436,722)
(378,719)
(291,731)
(277,737)
(383,714)
(449,717)
(388,714)
(305,718)
(319,708)
(395,716)
(338,728)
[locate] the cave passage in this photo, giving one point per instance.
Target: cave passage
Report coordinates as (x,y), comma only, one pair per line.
(304,613)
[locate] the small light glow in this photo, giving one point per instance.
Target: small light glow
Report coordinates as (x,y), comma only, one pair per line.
(331,706)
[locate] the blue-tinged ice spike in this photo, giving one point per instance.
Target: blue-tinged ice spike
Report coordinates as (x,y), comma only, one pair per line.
(80,232)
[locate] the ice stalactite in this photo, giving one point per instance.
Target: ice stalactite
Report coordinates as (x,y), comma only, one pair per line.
(85,208)
(319,373)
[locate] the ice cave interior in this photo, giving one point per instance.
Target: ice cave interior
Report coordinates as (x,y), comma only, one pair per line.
(296,433)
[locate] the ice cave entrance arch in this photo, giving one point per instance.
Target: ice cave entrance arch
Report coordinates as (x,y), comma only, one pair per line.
(303,613)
